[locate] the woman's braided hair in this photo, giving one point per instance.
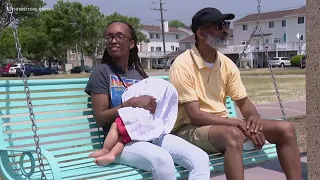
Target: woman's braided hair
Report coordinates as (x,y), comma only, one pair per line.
(134,60)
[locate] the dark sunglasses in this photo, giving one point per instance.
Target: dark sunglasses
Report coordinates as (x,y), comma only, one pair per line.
(219,25)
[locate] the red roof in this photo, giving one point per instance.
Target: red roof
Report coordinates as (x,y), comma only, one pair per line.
(188,39)
(300,11)
(191,38)
(152,28)
(272,15)
(175,53)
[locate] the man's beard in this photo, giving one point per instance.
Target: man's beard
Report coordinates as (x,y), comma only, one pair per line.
(217,42)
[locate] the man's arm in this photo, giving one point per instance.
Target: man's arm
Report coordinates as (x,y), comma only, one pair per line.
(247,108)
(251,114)
(202,118)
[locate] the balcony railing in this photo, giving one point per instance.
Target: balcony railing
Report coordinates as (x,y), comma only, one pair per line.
(236,49)
(293,46)
(152,54)
(232,49)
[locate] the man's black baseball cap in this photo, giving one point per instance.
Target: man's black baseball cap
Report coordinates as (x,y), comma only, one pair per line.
(208,15)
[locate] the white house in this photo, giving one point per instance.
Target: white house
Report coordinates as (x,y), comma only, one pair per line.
(277,26)
(279,29)
(296,23)
(152,53)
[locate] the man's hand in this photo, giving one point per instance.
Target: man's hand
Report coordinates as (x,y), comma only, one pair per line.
(258,138)
(254,124)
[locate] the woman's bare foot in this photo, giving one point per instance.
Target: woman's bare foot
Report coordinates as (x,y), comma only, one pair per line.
(105,160)
(99,153)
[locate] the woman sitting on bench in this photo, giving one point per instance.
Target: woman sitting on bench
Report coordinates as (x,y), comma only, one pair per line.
(138,124)
(120,63)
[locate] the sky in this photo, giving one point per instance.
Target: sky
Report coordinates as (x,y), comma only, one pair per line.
(183,10)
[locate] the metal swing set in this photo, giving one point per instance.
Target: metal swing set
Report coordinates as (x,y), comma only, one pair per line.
(68,130)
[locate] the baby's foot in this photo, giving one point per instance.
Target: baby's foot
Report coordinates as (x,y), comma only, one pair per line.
(99,153)
(104,160)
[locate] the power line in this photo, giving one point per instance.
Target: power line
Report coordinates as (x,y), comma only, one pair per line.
(182,19)
(162,29)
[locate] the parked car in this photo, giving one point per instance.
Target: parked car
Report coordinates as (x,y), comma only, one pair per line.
(28,70)
(280,62)
(14,67)
(303,62)
(158,66)
(36,70)
(4,69)
(77,69)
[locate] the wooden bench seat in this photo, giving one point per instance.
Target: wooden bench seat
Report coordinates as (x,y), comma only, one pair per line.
(68,134)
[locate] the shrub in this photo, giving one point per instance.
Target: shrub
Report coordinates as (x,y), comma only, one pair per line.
(295,60)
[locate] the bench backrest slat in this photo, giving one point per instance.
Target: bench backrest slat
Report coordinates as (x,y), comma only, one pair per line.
(64,118)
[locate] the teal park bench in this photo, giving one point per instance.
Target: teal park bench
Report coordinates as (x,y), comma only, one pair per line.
(68,134)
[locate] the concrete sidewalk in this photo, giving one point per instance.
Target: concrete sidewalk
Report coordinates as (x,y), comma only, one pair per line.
(272,169)
(267,171)
(272,110)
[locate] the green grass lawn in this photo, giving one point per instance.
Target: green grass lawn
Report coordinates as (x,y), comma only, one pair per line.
(277,71)
(153,72)
(261,90)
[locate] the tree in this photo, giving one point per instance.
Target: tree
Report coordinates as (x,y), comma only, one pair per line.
(7,45)
(62,33)
(93,31)
(133,21)
(23,9)
(54,32)
(176,23)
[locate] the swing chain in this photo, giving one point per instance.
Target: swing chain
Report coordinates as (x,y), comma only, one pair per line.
(14,25)
(271,72)
(252,34)
(258,25)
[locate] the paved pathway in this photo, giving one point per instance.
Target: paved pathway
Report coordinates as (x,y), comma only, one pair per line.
(272,110)
(267,171)
(272,168)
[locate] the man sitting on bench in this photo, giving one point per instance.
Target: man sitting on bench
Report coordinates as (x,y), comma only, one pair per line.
(204,78)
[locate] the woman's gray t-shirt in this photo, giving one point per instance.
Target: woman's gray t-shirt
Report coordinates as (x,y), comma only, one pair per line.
(103,80)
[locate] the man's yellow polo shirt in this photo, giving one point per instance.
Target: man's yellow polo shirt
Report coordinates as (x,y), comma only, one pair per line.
(195,81)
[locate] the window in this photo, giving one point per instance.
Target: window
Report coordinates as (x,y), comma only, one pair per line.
(245,27)
(158,48)
(271,24)
(284,23)
(177,36)
(152,48)
(301,37)
(157,36)
(300,20)
(188,45)
(267,41)
(151,36)
(172,48)
(177,48)
(244,42)
(276,40)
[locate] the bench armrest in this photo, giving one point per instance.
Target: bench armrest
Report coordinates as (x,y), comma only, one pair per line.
(7,170)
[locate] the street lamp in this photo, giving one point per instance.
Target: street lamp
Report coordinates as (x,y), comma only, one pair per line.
(81,46)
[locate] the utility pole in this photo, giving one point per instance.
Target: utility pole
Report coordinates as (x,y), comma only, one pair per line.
(81,39)
(163,33)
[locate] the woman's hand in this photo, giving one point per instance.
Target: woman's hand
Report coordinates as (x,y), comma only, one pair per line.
(146,102)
